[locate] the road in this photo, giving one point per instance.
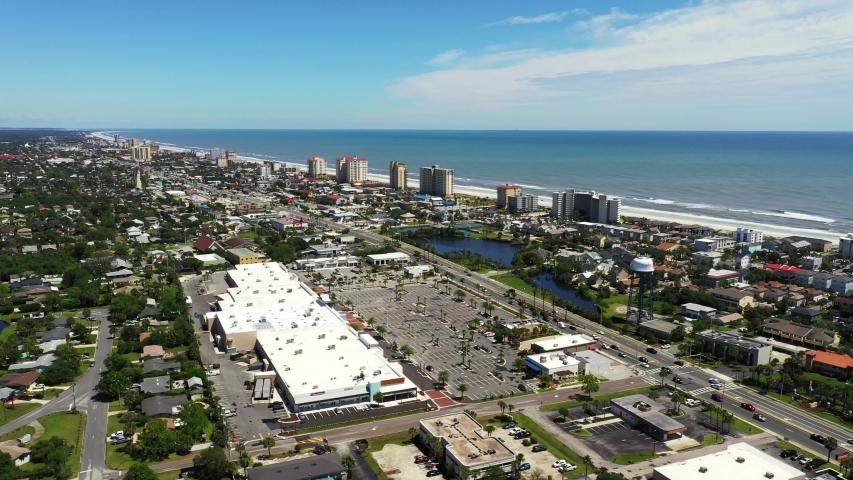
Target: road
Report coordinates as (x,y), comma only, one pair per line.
(94,445)
(782,419)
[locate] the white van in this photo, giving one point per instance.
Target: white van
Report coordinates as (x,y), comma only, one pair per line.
(561,324)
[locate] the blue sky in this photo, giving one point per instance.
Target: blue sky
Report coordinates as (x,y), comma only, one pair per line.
(571,64)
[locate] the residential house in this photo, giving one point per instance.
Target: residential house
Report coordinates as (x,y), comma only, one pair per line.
(160,406)
(24,233)
(784,272)
(39,364)
(156,385)
(810,315)
(822,281)
(20,455)
(706,258)
(841,285)
(159,365)
(20,380)
(741,260)
(798,334)
(830,363)
(726,320)
(811,263)
(153,351)
(29,249)
(196,387)
(203,243)
(804,278)
(733,299)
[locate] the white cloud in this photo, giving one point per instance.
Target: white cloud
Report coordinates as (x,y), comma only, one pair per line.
(737,43)
(445,58)
(545,17)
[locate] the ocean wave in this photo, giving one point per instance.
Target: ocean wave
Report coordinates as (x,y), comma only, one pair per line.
(533,187)
(797,216)
(739,210)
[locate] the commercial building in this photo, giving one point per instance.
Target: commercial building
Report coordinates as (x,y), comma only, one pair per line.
(802,335)
(523,203)
(659,328)
(714,277)
(748,235)
(317,166)
(559,365)
(465,444)
(830,363)
(590,206)
(563,343)
(749,350)
(648,416)
(392,258)
(315,467)
(738,461)
(696,311)
(706,258)
(398,175)
(242,256)
(713,244)
(318,360)
(436,181)
(845,247)
(140,153)
(351,170)
(506,191)
(592,362)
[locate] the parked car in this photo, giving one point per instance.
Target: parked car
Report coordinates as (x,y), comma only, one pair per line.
(568,467)
(421,459)
(522,387)
(120,440)
(665,346)
(788,453)
(716,397)
(433,473)
(690,402)
(229,413)
(277,405)
(539,448)
(91,364)
(509,426)
(39,386)
(558,463)
(524,466)
(748,406)
(814,464)
(338,411)
(430,368)
(521,435)
(760,417)
(796,457)
(397,356)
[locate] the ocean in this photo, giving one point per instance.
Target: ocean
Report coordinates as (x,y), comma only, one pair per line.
(791,180)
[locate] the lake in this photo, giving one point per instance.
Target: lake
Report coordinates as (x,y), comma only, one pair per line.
(566,293)
(3,326)
(493,249)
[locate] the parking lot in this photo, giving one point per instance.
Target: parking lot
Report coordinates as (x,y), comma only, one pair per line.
(415,320)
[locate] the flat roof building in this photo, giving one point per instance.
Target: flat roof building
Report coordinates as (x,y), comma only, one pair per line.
(387,258)
(750,351)
(318,359)
(465,444)
(558,365)
(740,460)
(563,343)
(315,467)
(648,416)
(242,256)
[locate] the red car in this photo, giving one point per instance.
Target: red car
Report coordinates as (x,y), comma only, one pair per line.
(421,459)
(717,397)
(748,406)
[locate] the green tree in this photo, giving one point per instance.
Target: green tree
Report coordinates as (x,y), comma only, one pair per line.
(80,332)
(194,419)
(245,461)
(349,463)
(212,464)
(589,384)
(564,412)
(140,471)
(462,389)
(489,429)
(113,384)
(662,374)
(654,395)
(520,365)
(156,441)
(268,442)
(8,469)
(53,453)
(502,406)
(830,444)
(377,397)
(407,351)
(846,464)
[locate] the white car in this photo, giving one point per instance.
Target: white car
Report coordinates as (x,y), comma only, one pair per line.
(568,467)
(558,463)
(713,381)
(645,365)
(690,402)
(604,346)
(39,386)
(665,346)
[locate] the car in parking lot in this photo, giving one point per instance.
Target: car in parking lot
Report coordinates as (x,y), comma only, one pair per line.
(818,438)
(338,411)
(519,436)
(796,457)
(524,466)
(277,405)
(302,417)
(509,425)
(433,473)
(814,464)
(397,356)
(788,453)
(522,387)
(716,397)
(120,440)
(558,463)
(430,368)
(804,460)
(539,448)
(760,417)
(568,467)
(690,402)
(748,406)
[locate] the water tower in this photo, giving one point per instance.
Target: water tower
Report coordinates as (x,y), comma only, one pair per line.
(643,289)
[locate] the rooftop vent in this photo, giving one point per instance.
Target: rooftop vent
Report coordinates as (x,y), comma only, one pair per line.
(703,469)
(298,352)
(331,347)
(377,372)
(321,336)
(769,475)
(289,340)
(740,459)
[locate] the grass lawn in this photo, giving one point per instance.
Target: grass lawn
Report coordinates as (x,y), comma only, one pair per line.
(710,439)
(573,403)
(816,377)
(581,432)
(13,412)
(117,406)
(69,426)
(631,458)
(376,444)
(117,456)
(609,305)
(514,282)
(18,433)
(740,425)
(827,415)
(133,356)
(170,475)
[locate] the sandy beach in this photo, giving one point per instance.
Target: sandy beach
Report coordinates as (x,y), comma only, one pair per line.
(769,230)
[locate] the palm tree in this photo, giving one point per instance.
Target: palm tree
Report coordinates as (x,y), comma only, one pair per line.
(459,294)
(348,462)
(407,351)
(502,405)
(245,461)
(412,432)
(240,447)
(830,444)
(489,429)
(662,374)
(371,322)
(268,442)
(381,330)
(471,413)
(587,461)
(377,397)
(501,356)
(510,407)
(654,395)
(443,376)
(677,400)
(462,389)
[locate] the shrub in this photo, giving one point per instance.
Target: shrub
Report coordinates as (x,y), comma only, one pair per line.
(526,442)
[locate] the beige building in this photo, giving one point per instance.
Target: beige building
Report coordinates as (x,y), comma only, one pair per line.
(465,444)
(397,175)
(317,166)
(506,191)
(222,161)
(733,298)
(242,256)
(436,181)
(140,153)
(351,170)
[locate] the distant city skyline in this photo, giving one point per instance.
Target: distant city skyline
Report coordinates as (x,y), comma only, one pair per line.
(548,65)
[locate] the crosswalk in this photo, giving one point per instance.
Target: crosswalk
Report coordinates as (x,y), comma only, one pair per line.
(727,387)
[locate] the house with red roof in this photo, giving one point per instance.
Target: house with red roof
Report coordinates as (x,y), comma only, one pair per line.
(204,243)
(829,363)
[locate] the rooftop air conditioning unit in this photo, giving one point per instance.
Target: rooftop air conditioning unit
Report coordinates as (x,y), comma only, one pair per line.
(289,290)
(341,358)
(298,352)
(703,469)
(769,475)
(290,340)
(342,337)
(321,336)
(331,347)
(740,459)
(255,292)
(316,386)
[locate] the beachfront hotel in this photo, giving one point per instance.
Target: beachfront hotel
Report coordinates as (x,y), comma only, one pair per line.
(506,191)
(351,170)
(317,166)
(591,206)
(397,174)
(436,181)
(523,203)
(140,153)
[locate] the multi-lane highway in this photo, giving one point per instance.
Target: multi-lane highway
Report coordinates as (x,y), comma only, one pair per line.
(782,419)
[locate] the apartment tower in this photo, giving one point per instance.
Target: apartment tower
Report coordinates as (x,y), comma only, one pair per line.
(398,171)
(590,205)
(436,181)
(317,166)
(351,170)
(506,191)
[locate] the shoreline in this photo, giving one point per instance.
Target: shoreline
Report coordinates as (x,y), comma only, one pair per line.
(716,223)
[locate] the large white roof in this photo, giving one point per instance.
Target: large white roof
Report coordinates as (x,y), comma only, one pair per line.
(727,464)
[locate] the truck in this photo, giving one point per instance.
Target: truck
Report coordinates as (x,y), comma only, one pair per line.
(213,372)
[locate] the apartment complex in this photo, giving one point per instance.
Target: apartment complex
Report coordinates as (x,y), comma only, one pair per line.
(590,205)
(222,161)
(523,203)
(830,363)
(436,181)
(264,170)
(845,247)
(802,335)
(140,153)
(351,170)
(397,175)
(317,166)
(506,191)
(748,235)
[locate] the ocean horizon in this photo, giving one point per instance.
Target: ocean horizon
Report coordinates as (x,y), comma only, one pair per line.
(797,181)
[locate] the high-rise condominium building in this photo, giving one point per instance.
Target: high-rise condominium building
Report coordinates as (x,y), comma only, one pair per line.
(317,166)
(748,235)
(264,170)
(216,152)
(140,153)
(437,181)
(352,170)
(134,142)
(590,205)
(506,191)
(398,171)
(522,203)
(845,247)
(222,161)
